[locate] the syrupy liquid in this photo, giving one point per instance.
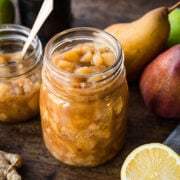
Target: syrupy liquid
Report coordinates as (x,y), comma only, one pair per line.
(84,121)
(19,90)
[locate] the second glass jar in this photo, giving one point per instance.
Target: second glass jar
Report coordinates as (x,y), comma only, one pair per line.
(20,78)
(83,116)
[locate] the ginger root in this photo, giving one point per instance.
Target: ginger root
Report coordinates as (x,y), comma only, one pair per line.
(8,164)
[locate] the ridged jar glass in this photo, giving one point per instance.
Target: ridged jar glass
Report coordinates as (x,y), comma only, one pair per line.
(20,79)
(83,116)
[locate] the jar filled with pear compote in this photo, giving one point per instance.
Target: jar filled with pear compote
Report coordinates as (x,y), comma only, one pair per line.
(20,78)
(83,97)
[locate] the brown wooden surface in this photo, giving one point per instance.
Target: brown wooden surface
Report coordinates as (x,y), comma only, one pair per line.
(143,127)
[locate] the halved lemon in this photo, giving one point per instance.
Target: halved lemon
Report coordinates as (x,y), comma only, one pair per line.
(152,161)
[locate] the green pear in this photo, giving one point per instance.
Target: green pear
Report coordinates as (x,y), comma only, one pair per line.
(174,19)
(143,39)
(7,12)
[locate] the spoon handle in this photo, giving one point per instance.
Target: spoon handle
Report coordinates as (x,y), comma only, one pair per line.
(44,12)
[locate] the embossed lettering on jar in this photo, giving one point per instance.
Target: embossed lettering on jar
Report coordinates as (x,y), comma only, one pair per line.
(83,97)
(20,79)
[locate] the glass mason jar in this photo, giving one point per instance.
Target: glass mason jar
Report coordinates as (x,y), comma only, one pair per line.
(20,79)
(83,116)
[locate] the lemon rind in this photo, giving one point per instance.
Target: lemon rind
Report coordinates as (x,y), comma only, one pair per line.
(171,152)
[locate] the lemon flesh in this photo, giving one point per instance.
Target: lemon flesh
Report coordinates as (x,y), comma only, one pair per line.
(153,161)
(6,12)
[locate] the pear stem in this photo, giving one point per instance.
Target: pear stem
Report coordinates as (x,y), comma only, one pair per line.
(173,7)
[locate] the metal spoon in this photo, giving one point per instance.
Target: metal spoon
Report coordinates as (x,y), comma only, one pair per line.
(44,12)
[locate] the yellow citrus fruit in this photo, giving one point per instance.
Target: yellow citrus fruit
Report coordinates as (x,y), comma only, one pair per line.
(152,161)
(6,12)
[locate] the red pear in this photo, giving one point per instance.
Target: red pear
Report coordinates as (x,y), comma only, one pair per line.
(160,84)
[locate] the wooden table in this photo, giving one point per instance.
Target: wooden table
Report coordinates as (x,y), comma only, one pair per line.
(143,126)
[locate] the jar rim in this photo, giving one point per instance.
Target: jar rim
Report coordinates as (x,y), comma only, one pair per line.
(119,53)
(21,33)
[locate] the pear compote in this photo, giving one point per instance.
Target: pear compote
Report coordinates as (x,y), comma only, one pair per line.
(20,78)
(83,97)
